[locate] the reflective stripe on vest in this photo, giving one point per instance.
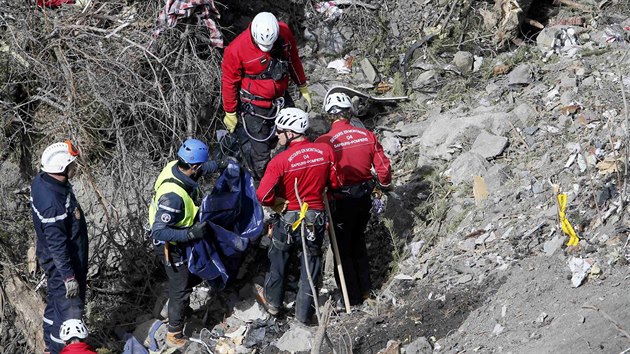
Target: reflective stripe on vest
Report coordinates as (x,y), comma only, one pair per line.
(160,188)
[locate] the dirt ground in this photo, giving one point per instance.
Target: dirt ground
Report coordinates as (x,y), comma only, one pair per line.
(544,314)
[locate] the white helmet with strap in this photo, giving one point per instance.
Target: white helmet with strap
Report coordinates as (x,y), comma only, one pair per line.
(337,102)
(58,156)
(293,119)
(72,328)
(265,30)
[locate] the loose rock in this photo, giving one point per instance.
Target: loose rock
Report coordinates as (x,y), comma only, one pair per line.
(489,145)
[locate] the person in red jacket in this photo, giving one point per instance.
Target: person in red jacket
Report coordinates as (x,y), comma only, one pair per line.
(73,332)
(314,168)
(53,3)
(257,67)
(358,152)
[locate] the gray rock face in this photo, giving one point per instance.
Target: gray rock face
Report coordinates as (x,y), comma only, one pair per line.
(370,72)
(466,166)
(551,246)
(391,145)
(411,130)
(424,79)
(496,176)
(250,311)
(296,339)
(547,38)
(521,75)
(444,130)
(489,145)
(464,61)
(524,112)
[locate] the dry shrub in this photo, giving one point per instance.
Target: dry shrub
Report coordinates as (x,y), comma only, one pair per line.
(98,76)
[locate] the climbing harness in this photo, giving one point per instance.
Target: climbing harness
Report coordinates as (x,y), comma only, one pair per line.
(276,106)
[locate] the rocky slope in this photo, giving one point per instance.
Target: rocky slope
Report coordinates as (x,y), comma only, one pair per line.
(469,255)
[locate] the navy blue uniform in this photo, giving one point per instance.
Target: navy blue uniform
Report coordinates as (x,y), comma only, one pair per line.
(62,251)
(170,211)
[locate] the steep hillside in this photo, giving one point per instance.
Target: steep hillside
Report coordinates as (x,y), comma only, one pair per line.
(510,104)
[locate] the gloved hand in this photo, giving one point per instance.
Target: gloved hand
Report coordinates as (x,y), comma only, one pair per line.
(197,231)
(209,166)
(280,205)
(223,163)
(230,121)
(307,97)
(72,287)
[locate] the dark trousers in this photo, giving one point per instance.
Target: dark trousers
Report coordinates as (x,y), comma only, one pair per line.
(257,153)
(180,285)
(59,308)
(350,218)
(284,243)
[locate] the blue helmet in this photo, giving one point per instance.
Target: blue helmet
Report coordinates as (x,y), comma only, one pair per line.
(193,152)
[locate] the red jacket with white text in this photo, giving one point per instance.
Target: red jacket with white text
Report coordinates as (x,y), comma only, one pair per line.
(77,348)
(242,58)
(357,150)
(314,166)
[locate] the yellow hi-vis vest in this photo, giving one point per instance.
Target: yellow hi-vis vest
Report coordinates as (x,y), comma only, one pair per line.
(163,186)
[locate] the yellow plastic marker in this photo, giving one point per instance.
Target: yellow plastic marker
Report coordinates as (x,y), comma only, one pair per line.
(297,222)
(566,225)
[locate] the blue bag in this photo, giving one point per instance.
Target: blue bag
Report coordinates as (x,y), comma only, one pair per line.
(235,216)
(132,346)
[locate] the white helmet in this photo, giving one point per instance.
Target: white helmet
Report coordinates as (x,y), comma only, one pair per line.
(265,30)
(58,156)
(72,328)
(337,102)
(293,119)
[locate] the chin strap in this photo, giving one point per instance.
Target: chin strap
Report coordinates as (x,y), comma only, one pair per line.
(289,140)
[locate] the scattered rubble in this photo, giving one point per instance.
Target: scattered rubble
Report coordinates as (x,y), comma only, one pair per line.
(481,263)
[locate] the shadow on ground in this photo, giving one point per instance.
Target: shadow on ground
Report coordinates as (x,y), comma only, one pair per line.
(420,316)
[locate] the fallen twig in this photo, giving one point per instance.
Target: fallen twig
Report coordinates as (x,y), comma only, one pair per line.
(622,197)
(318,340)
(518,133)
(609,318)
(574,4)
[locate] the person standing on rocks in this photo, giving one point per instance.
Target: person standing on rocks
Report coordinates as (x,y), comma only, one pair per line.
(62,240)
(358,152)
(313,166)
(174,222)
(256,69)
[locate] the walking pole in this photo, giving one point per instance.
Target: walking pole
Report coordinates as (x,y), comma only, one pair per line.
(333,242)
(305,253)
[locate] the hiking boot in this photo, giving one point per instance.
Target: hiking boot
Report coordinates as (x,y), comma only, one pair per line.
(259,292)
(175,340)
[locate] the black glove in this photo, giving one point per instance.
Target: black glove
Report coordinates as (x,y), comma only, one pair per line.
(197,231)
(222,164)
(209,167)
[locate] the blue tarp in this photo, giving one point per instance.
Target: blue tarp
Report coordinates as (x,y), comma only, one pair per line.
(236,219)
